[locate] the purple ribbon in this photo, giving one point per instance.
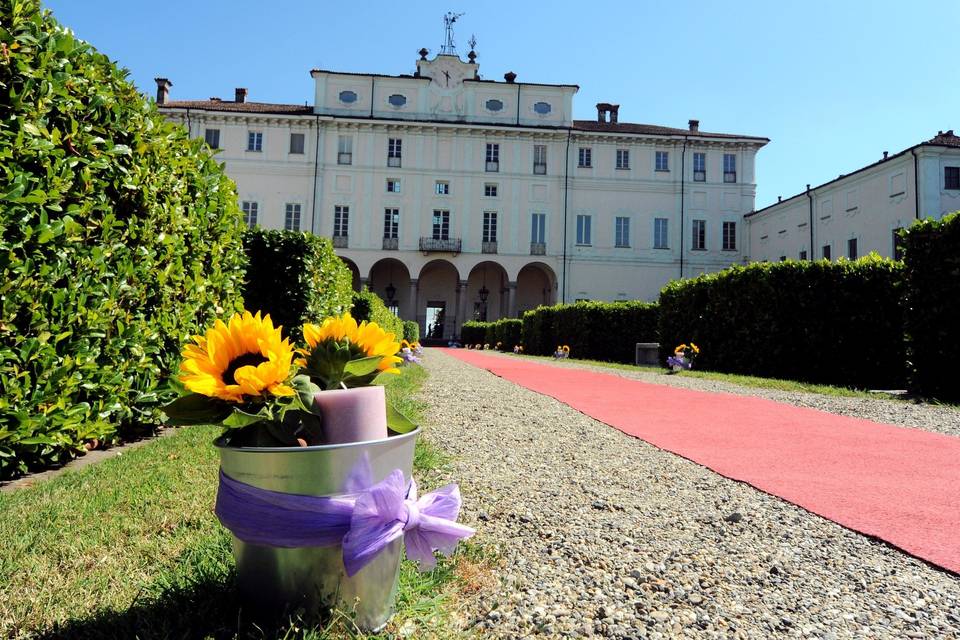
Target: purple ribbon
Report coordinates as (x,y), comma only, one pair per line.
(363,523)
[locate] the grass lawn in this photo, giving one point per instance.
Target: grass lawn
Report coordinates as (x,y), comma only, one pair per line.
(733,378)
(130,547)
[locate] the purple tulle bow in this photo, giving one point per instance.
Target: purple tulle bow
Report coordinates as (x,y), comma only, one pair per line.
(362,523)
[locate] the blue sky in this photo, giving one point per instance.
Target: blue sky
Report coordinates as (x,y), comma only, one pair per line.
(832,84)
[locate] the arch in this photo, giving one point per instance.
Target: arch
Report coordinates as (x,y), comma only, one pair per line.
(536,285)
(391,276)
(437,287)
(355,270)
(487,279)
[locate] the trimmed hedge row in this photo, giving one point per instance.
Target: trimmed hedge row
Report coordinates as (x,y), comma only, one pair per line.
(119,238)
(370,307)
(932,308)
(506,331)
(592,330)
(295,277)
(826,322)
(411,331)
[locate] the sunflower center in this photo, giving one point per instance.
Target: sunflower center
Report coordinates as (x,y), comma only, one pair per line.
(246,360)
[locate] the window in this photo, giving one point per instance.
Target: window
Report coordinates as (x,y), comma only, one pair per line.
(441,224)
(621,231)
(897,244)
(345,150)
(825,252)
(663,161)
(852,248)
(583,229)
(537,232)
(493,157)
(489,226)
(699,242)
(699,166)
(803,254)
(729,236)
(540,159)
(951,177)
(393,185)
(254,141)
(250,211)
(394,146)
(441,188)
(291,219)
(729,167)
(212,138)
(391,223)
(783,258)
(397,100)
(494,105)
(348,97)
(296,142)
(623,158)
(586,159)
(543,108)
(341,221)
(490,190)
(660,233)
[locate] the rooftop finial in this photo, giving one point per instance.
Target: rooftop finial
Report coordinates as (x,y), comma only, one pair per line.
(449,46)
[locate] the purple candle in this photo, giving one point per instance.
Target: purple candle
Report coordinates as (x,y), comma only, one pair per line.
(353,415)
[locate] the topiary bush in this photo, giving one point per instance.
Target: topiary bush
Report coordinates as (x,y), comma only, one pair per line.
(932,308)
(593,330)
(119,238)
(370,307)
(295,277)
(411,331)
(827,322)
(474,332)
(506,332)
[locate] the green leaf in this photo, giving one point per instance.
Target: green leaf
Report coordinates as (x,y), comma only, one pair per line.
(196,409)
(306,391)
(363,366)
(398,422)
(239,418)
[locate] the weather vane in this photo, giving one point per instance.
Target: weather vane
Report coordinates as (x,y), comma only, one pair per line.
(472,42)
(449,47)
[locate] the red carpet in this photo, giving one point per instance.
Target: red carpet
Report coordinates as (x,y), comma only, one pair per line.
(899,485)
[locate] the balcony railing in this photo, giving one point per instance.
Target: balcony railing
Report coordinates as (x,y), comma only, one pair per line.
(729,176)
(493,166)
(699,176)
(489,247)
(340,242)
(344,158)
(538,248)
(390,244)
(393,161)
(440,245)
(540,168)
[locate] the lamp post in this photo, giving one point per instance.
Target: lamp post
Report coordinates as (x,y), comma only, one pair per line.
(484,293)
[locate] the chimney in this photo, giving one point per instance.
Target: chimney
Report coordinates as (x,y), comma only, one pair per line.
(163,90)
(240,94)
(779,198)
(510,76)
(694,125)
(885,153)
(614,109)
(601,112)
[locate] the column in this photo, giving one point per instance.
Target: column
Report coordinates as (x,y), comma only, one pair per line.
(458,317)
(512,299)
(414,307)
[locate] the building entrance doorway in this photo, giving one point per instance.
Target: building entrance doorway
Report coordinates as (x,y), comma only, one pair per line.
(436,316)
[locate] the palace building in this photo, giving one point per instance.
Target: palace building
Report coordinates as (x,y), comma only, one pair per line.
(455,197)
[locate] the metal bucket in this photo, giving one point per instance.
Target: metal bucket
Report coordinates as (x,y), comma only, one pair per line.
(274,582)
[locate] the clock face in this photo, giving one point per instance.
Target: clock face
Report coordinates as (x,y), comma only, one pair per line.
(448,74)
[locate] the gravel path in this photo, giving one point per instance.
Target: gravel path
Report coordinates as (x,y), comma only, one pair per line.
(604,535)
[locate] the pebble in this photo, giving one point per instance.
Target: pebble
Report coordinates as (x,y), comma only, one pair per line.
(602,535)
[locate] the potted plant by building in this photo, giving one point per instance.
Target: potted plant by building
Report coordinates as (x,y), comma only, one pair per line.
(683,357)
(319,498)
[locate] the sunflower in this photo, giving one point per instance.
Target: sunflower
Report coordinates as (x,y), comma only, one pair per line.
(245,357)
(366,339)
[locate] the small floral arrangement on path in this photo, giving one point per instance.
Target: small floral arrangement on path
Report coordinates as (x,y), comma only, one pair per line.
(410,352)
(244,375)
(518,349)
(683,357)
(563,351)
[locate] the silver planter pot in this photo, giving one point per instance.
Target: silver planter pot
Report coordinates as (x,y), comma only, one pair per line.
(273,582)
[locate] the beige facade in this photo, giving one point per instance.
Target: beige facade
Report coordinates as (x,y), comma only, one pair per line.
(443,190)
(861,212)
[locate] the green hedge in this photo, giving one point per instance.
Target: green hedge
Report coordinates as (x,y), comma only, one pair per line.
(932,313)
(119,238)
(826,322)
(593,330)
(506,331)
(295,277)
(368,306)
(411,331)
(474,332)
